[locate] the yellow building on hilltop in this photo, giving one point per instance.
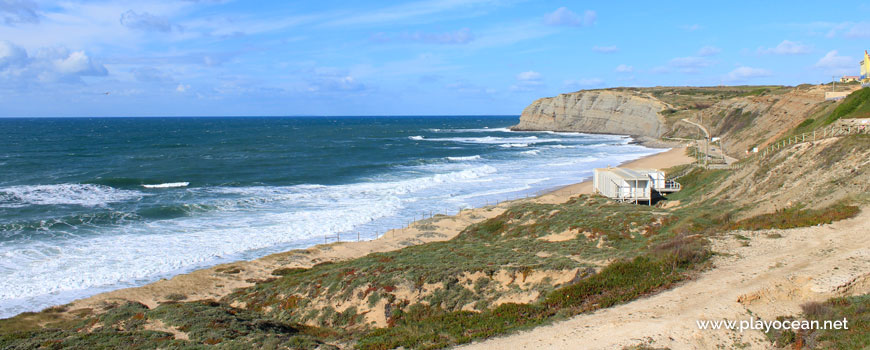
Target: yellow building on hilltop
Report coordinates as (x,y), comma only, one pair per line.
(865,69)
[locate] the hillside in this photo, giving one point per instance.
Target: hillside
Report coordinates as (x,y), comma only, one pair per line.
(755,240)
(742,116)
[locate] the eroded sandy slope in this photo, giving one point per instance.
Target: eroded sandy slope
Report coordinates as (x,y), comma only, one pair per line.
(768,278)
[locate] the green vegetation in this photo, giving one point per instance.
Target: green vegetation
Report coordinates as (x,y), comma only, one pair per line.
(735,120)
(202,322)
(796,216)
(703,97)
(513,243)
(428,327)
(854,309)
(856,105)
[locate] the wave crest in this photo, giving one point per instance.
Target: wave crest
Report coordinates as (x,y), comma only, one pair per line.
(168,185)
(88,195)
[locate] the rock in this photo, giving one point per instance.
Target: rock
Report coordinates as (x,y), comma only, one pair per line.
(596,111)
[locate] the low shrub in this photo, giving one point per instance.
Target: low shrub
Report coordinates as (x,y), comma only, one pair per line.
(797,217)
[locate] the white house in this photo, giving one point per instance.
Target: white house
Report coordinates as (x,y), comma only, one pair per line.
(631,185)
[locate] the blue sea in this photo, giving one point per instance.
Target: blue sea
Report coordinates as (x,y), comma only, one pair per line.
(89,205)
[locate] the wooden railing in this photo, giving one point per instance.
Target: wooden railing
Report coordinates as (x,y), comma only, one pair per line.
(818,134)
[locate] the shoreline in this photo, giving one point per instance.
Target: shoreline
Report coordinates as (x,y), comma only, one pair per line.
(220,280)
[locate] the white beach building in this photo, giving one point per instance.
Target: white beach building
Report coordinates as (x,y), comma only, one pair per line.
(630,185)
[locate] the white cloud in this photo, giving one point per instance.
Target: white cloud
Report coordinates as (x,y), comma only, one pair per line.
(583,83)
(709,51)
(78,63)
(18,11)
(605,49)
(660,70)
(145,21)
(744,73)
(333,80)
(786,47)
(529,76)
(527,81)
(459,37)
(11,55)
(565,17)
(690,64)
(182,88)
(150,74)
(834,63)
(852,30)
(622,68)
(469,89)
(859,31)
(46,65)
(415,11)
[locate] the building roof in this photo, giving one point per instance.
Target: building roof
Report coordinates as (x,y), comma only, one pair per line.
(629,174)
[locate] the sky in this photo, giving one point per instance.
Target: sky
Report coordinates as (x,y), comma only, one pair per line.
(432,57)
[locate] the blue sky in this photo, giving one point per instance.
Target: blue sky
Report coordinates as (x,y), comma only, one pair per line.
(435,57)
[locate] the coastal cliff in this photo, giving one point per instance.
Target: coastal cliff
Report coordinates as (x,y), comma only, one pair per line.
(596,111)
(743,117)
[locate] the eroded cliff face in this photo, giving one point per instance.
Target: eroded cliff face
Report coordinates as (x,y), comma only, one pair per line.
(597,111)
(755,121)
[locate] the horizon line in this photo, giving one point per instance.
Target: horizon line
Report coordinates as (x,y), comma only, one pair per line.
(262,116)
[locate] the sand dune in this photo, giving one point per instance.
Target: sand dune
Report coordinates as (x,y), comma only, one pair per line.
(768,278)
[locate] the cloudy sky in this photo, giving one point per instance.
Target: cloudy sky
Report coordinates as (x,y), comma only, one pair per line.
(431,57)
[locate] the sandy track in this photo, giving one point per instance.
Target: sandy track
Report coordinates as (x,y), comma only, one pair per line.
(770,277)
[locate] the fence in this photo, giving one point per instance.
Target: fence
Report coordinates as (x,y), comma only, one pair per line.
(818,134)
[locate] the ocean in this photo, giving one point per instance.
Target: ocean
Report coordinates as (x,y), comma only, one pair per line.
(89,205)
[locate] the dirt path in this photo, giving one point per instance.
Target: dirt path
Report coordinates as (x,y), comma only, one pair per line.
(770,277)
(699,126)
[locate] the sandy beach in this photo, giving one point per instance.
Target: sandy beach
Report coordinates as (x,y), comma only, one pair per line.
(218,281)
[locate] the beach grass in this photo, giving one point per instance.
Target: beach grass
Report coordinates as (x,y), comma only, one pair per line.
(514,243)
(854,309)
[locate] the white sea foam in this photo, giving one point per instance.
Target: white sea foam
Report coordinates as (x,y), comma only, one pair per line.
(252,221)
(513,145)
(75,194)
(460,159)
(168,185)
(252,218)
(533,152)
(474,130)
(494,140)
(416,138)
